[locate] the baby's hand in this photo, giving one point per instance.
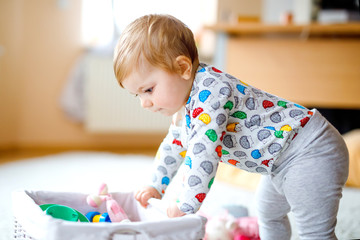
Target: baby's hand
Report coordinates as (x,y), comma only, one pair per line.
(173,210)
(144,194)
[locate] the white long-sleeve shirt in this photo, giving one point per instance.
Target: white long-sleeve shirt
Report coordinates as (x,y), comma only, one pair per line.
(225,120)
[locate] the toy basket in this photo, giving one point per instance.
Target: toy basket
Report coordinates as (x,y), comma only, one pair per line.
(32,223)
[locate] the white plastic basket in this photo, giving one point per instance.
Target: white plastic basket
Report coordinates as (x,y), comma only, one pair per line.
(32,223)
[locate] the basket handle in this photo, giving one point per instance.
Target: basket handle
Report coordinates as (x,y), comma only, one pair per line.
(127,232)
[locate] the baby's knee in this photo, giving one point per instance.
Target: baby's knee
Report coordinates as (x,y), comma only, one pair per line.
(272,210)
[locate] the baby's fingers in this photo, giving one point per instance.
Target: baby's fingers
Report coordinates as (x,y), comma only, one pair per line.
(142,197)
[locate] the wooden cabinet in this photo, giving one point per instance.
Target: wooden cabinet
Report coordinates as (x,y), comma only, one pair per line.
(314,65)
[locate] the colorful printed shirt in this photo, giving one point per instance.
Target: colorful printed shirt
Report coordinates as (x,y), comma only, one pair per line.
(229,121)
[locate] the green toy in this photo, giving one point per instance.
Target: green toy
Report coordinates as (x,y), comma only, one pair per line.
(63,212)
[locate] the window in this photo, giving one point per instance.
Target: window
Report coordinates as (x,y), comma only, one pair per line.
(103,19)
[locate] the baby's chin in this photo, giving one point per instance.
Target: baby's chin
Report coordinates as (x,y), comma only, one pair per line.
(167,113)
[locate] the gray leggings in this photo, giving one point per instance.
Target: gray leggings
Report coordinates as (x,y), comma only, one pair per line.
(307,181)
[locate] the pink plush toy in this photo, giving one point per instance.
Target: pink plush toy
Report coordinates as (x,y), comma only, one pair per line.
(227,227)
(116,213)
(247,228)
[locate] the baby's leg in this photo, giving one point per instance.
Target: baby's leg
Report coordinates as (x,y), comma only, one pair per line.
(313,190)
(309,179)
(272,210)
(313,187)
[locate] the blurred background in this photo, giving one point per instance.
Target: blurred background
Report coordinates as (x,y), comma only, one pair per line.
(58,92)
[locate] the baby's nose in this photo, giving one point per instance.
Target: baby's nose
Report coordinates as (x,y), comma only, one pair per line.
(146,103)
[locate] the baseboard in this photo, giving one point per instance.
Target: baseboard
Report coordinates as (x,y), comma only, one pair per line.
(15,153)
(124,144)
(130,142)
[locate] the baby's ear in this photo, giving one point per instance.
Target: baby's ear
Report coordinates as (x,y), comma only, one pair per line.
(185,66)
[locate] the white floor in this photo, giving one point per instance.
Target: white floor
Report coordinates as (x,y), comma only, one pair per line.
(85,171)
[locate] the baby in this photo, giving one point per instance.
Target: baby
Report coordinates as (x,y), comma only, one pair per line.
(218,118)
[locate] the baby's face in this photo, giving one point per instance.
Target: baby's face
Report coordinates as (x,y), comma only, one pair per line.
(158,90)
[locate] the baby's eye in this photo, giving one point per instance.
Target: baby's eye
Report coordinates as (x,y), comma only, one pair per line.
(149,90)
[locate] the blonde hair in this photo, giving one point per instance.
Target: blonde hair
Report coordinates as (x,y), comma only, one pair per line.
(159,39)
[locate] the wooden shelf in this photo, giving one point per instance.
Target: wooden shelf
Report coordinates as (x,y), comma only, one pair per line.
(320,72)
(352,28)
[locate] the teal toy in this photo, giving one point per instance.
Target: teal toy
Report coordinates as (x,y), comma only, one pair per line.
(63,212)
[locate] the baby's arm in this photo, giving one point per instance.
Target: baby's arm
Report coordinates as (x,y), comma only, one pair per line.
(168,159)
(203,155)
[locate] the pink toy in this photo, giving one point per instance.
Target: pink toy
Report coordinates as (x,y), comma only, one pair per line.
(116,213)
(247,228)
(227,227)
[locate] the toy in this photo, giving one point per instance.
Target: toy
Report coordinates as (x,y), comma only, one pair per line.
(246,228)
(98,217)
(63,212)
(218,227)
(225,226)
(116,213)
